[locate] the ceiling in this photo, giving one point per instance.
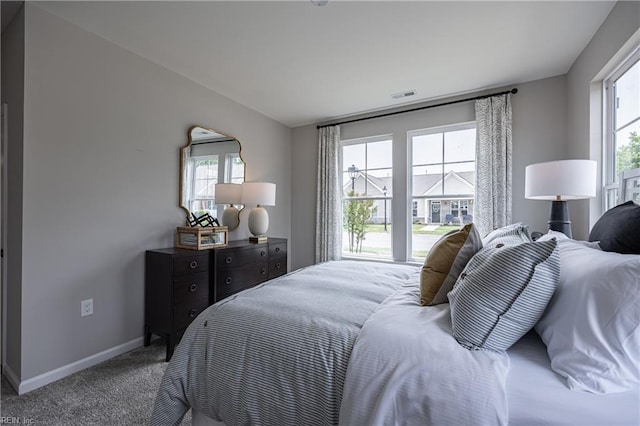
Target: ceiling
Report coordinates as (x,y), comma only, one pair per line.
(299,63)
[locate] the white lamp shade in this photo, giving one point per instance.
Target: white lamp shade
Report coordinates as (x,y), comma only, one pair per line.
(228,193)
(259,193)
(564,180)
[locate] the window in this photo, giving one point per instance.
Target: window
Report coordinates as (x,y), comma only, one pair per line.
(367,181)
(622,137)
(234,168)
(440,178)
(205,179)
(443,179)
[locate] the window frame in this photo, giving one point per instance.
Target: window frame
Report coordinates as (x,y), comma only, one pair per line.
(206,199)
(389,198)
(466,125)
(610,182)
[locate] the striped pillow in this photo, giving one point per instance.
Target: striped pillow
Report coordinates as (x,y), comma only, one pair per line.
(509,235)
(502,293)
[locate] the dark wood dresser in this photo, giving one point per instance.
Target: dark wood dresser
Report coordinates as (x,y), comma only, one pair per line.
(180,283)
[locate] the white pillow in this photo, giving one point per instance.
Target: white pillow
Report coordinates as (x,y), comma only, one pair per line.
(592,324)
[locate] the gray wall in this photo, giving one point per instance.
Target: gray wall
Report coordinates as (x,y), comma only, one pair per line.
(539,133)
(102,133)
(617,37)
(13,96)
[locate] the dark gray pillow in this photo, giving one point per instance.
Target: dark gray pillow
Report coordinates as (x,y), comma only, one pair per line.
(618,229)
(502,293)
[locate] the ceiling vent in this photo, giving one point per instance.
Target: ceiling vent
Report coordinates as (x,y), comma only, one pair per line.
(404,94)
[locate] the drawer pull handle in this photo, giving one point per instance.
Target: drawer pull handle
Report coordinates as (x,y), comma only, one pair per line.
(193,264)
(277,249)
(278,265)
(263,271)
(192,313)
(193,287)
(262,253)
(228,260)
(228,280)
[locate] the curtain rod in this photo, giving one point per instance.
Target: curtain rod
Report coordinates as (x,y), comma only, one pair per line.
(513,91)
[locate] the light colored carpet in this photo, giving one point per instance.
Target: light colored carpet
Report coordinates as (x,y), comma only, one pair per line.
(120,391)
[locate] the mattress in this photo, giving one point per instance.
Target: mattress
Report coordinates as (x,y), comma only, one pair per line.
(539,396)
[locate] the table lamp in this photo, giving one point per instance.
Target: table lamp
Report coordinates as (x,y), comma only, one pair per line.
(560,181)
(260,194)
(229,193)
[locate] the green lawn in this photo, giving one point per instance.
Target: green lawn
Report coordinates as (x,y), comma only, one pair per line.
(417,229)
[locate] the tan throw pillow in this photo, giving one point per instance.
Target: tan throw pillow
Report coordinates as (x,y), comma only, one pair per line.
(446,260)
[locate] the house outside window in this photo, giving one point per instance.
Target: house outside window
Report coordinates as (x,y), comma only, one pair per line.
(622,132)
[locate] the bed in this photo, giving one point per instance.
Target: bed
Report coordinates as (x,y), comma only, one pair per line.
(351,343)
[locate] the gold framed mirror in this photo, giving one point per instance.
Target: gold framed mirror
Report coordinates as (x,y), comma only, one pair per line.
(208,158)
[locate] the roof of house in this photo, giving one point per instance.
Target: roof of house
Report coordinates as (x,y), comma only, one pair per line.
(421,183)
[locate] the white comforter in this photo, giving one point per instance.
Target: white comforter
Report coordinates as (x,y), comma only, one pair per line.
(406,368)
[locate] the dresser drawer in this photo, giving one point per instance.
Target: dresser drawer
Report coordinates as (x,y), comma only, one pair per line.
(277,266)
(183,265)
(277,250)
(191,287)
(185,313)
(229,281)
(235,258)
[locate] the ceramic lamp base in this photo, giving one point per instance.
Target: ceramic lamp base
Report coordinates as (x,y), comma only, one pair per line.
(231,217)
(258,221)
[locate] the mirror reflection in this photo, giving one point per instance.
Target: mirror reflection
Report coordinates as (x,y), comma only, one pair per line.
(210,157)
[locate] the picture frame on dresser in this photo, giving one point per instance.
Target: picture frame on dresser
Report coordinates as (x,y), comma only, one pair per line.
(181,283)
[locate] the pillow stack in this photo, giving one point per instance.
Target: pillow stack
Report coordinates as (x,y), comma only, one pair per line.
(583,302)
(446,260)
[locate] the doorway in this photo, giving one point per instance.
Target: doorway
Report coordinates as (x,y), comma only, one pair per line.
(435,212)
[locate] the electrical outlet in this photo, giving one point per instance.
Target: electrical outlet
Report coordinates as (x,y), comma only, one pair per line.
(86,307)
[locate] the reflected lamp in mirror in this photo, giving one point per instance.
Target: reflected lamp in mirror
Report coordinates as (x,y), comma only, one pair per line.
(208,157)
(229,194)
(559,181)
(261,194)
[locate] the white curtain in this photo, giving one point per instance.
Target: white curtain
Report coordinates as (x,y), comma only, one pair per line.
(492,207)
(328,208)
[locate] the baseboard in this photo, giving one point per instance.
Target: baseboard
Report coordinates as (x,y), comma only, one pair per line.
(12,377)
(67,370)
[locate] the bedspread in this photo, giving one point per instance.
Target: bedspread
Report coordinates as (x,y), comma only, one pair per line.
(407,369)
(276,354)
